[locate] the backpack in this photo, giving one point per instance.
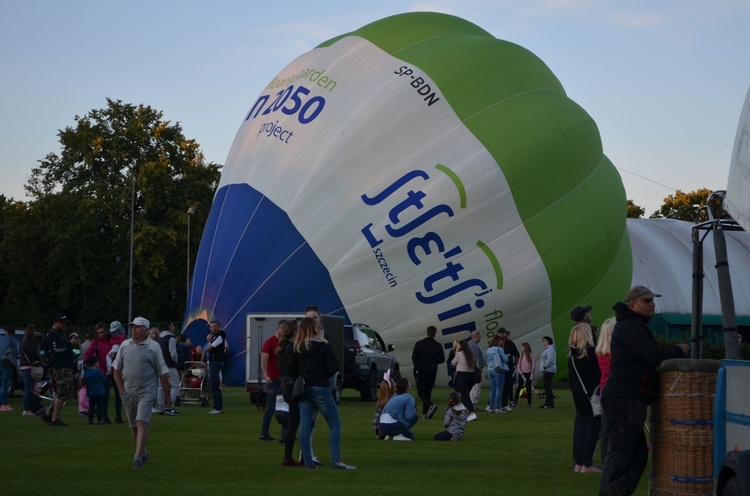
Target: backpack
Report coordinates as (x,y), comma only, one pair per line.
(47,350)
(9,357)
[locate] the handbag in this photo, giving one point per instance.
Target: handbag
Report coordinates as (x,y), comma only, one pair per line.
(8,353)
(37,372)
(298,390)
(594,399)
(500,366)
(596,402)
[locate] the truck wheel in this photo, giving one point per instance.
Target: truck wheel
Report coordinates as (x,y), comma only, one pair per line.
(732,488)
(369,390)
(337,389)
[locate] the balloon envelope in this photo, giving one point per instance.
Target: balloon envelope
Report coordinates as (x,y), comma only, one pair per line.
(415,172)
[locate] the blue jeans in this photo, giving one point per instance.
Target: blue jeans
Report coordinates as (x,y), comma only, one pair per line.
(214,383)
(6,372)
(323,399)
(497,381)
(272,389)
(397,428)
(28,389)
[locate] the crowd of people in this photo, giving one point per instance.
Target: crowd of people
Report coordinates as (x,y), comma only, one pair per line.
(616,366)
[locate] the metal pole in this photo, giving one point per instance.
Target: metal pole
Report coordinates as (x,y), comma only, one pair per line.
(731,345)
(132,229)
(696,327)
(190,212)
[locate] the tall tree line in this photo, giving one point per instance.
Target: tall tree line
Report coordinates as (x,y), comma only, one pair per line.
(68,247)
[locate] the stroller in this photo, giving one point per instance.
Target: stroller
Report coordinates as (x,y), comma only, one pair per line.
(194,385)
(43,392)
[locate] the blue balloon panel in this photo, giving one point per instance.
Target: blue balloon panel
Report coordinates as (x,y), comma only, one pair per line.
(244,227)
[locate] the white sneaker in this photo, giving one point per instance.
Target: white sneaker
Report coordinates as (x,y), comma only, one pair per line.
(401,437)
(508,409)
(488,409)
(28,413)
(499,410)
(388,438)
(215,411)
(471,417)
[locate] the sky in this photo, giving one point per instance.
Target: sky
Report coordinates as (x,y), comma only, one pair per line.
(664,81)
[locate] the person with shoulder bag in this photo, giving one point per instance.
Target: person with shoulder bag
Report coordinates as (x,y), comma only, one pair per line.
(8,354)
(584,380)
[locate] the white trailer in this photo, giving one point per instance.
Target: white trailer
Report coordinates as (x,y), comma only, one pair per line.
(261,326)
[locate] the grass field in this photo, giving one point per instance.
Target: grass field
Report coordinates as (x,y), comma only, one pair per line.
(525,452)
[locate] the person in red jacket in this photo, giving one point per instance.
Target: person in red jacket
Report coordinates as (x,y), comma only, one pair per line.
(105,347)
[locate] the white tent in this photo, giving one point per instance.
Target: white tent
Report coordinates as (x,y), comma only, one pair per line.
(663,261)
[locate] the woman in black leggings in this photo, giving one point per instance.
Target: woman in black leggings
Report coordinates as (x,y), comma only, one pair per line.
(464,363)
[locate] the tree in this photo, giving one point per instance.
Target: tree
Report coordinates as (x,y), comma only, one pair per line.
(80,215)
(635,211)
(682,206)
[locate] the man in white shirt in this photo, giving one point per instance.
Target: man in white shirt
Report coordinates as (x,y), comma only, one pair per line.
(138,363)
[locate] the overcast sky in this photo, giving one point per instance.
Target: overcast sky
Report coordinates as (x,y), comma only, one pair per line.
(665,81)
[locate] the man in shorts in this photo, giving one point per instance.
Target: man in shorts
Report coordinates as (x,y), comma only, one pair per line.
(139,363)
(57,349)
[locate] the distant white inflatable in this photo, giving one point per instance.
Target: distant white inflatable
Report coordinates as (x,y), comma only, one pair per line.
(737,202)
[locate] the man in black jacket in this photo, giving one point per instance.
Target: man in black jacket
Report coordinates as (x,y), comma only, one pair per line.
(426,357)
(56,348)
(631,387)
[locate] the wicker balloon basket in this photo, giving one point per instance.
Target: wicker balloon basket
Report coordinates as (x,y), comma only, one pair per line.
(682,428)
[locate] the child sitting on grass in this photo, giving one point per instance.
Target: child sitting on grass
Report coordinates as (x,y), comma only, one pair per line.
(455,419)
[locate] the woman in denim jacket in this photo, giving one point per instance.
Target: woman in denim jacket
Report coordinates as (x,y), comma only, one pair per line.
(399,414)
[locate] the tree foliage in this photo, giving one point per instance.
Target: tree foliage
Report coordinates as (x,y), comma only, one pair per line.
(635,211)
(683,206)
(70,246)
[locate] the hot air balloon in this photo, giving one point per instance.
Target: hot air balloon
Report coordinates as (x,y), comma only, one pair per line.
(415,172)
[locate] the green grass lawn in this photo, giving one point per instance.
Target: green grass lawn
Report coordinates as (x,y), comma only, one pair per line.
(525,452)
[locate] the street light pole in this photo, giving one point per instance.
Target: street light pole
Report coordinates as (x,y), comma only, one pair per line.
(190,212)
(130,279)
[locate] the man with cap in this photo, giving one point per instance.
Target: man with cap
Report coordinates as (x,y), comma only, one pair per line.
(58,351)
(582,315)
(631,387)
(137,366)
(75,342)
